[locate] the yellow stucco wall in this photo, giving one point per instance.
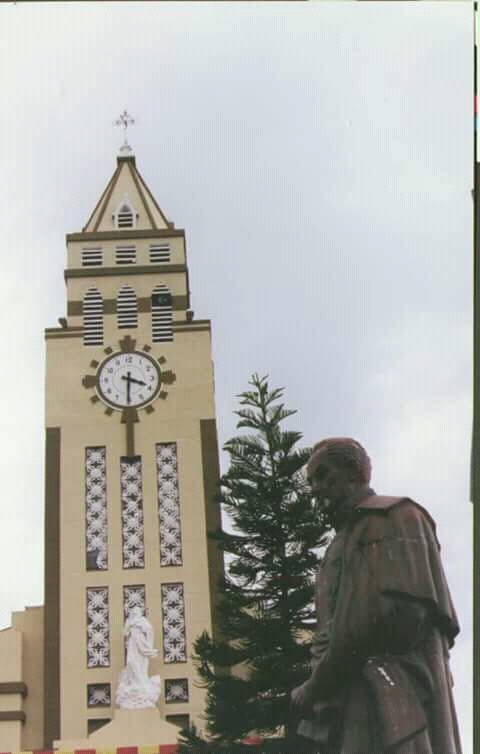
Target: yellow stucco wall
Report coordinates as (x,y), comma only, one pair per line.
(11,671)
(30,623)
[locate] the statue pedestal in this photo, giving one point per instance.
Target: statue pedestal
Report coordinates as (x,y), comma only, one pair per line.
(129,727)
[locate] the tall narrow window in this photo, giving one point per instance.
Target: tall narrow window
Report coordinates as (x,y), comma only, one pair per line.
(168,504)
(96,509)
(125,255)
(161,314)
(93,318)
(98,628)
(173,623)
(126,307)
(132,512)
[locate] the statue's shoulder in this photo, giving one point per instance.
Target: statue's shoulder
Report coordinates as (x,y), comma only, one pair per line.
(380,502)
(403,507)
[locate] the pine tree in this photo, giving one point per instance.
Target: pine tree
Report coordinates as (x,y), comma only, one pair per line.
(265,610)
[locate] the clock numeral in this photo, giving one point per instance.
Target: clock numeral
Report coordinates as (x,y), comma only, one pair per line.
(128,359)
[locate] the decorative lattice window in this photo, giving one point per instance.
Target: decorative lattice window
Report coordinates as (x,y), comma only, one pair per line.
(93,318)
(125,255)
(99,695)
(96,509)
(92,257)
(176,690)
(161,314)
(173,623)
(133,596)
(168,504)
(98,628)
(126,307)
(133,549)
(125,217)
(159,253)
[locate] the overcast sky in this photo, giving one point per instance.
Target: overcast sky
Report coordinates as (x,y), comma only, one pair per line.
(319,157)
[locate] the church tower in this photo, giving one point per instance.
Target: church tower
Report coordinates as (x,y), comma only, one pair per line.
(131,464)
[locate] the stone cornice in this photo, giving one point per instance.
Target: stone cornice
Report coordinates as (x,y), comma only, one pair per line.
(124,235)
(177,326)
(131,269)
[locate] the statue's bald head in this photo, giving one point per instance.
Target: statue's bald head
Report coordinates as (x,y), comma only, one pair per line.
(343,452)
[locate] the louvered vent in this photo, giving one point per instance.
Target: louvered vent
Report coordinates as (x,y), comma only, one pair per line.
(161,314)
(125,255)
(125,217)
(92,257)
(126,307)
(93,318)
(159,254)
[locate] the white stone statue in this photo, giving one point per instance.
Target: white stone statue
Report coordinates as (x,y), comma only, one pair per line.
(135,689)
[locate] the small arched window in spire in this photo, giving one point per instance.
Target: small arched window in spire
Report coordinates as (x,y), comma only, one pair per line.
(125,216)
(126,307)
(92,318)
(161,314)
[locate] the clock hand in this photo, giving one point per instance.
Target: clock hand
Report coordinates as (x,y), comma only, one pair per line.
(128,380)
(132,379)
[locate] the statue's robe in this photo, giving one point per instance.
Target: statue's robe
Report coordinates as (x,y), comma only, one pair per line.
(380,680)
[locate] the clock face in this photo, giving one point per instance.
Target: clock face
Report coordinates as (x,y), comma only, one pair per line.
(128,379)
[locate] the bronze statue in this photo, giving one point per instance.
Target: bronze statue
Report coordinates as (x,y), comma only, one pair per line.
(380,680)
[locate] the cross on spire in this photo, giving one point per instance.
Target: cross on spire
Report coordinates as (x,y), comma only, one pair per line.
(125,120)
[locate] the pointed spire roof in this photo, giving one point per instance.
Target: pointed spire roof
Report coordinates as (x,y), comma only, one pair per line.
(126,193)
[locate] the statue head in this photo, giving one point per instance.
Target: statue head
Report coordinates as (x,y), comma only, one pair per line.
(338,467)
(135,614)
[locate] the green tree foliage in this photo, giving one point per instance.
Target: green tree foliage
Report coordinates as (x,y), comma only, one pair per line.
(265,609)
